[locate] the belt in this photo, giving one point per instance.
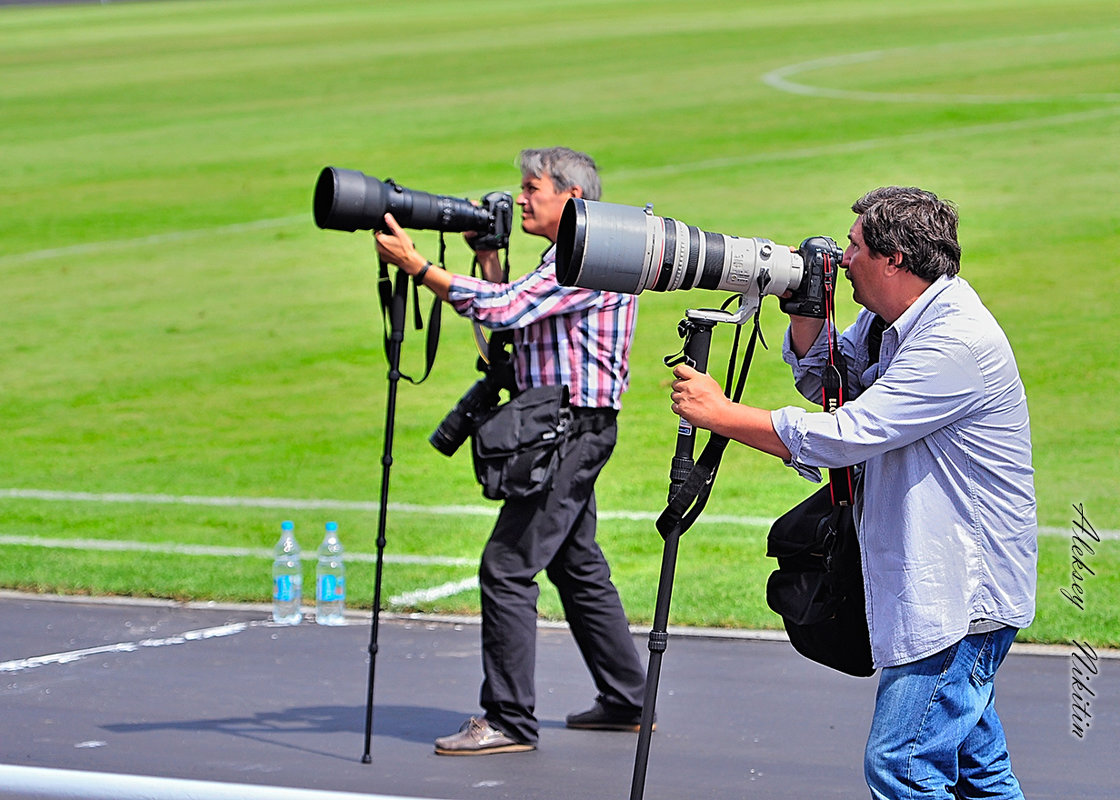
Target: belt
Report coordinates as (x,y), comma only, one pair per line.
(592,420)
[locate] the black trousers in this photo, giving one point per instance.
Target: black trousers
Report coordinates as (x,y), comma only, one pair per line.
(554,532)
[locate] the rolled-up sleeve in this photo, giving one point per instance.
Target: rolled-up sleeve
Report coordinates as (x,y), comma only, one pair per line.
(784,421)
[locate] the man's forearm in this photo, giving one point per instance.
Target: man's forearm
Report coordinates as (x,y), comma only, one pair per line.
(753,427)
(698,398)
(803,332)
(490,265)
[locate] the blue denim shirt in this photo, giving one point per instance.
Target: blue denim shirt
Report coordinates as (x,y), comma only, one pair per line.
(947,522)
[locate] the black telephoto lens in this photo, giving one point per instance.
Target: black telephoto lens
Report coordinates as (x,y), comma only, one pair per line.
(348,200)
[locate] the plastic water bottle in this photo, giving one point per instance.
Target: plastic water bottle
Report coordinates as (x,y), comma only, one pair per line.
(330,580)
(287,578)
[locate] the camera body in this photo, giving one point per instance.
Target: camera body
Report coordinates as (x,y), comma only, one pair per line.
(482,397)
(462,420)
(821,257)
(500,207)
(348,200)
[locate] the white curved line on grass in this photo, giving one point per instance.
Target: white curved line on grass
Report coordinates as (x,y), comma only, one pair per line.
(780,78)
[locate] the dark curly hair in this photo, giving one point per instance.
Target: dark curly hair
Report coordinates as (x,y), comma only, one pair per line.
(915,223)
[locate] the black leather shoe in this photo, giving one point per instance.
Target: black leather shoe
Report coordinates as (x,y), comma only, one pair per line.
(602,718)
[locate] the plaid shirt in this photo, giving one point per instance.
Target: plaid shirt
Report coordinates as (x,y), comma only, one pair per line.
(561,335)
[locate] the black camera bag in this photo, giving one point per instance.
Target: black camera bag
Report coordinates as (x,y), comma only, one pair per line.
(516,448)
(818,586)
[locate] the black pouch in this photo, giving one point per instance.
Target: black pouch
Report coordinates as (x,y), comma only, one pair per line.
(818,586)
(516,449)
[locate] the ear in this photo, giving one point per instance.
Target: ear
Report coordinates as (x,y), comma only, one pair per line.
(894,261)
(576,191)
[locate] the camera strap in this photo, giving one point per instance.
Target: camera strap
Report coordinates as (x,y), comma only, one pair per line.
(834,381)
(394,299)
(690,498)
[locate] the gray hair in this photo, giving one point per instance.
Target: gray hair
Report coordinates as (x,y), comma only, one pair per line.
(915,223)
(566,169)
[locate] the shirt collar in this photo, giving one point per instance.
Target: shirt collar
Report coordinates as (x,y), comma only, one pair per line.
(909,318)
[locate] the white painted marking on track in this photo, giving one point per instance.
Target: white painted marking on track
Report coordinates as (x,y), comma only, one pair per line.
(70,784)
(22,664)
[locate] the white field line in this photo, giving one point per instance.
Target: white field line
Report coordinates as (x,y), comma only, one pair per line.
(298,504)
(780,78)
(121,545)
(118,545)
(21,664)
(867,145)
(435,592)
(408,598)
(90,248)
(429,594)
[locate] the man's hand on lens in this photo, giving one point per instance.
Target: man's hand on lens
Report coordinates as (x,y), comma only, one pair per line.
(396,247)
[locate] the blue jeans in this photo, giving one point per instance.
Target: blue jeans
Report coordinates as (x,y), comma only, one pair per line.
(935,733)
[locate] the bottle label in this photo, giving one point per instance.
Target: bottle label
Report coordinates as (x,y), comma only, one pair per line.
(285,588)
(332,588)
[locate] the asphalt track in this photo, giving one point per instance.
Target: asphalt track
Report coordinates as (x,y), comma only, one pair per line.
(220,694)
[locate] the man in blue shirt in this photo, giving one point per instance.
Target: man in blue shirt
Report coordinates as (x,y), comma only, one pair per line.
(946,514)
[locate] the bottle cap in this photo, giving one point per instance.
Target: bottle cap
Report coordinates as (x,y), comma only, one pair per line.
(287,525)
(332,526)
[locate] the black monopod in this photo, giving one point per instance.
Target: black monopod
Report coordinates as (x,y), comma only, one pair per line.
(690,485)
(394,299)
(396,313)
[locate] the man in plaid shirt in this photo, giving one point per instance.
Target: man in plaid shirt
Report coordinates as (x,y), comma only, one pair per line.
(561,335)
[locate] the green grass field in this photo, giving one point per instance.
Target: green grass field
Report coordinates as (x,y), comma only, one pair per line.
(176,325)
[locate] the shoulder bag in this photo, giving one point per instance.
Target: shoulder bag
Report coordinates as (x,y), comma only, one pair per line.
(516,448)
